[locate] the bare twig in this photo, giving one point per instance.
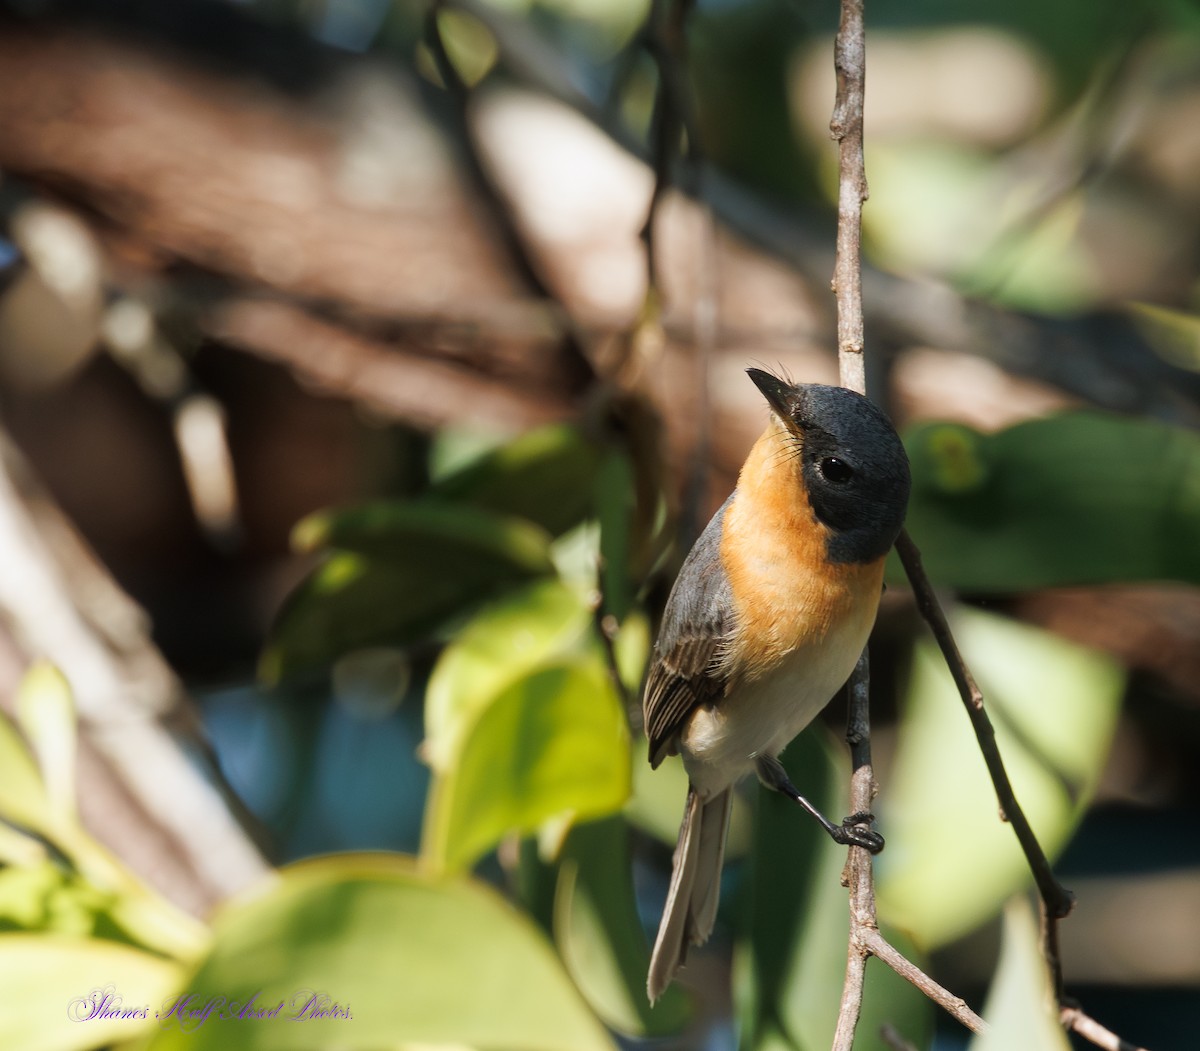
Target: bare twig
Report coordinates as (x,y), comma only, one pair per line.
(1075,1020)
(865,939)
(846,127)
(955,1006)
(858,872)
(1057,901)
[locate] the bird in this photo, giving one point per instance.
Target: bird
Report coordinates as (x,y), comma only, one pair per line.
(764,624)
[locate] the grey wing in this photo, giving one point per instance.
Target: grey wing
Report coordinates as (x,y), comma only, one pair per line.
(685,673)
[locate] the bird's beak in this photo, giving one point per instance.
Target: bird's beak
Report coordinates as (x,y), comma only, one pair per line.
(780,396)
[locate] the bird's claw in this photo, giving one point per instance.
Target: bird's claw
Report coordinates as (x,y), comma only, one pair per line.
(855,832)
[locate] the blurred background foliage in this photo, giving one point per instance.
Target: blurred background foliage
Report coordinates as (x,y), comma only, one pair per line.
(328,335)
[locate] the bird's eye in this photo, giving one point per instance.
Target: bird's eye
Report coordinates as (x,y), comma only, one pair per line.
(836,471)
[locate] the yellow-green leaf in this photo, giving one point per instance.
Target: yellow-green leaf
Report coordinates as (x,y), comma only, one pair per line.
(63,993)
(1019,1004)
(403,572)
(553,743)
(503,641)
(46,710)
(950,861)
(411,959)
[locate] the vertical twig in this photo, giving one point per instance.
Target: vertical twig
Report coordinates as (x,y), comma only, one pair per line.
(846,127)
(850,61)
(858,875)
(865,940)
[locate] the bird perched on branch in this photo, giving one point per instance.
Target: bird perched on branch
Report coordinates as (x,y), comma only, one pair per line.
(766,621)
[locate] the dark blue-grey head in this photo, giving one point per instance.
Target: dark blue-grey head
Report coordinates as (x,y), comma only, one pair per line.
(853,465)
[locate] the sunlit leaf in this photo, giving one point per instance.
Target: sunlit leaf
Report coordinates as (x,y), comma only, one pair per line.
(47,897)
(415,961)
(46,710)
(22,794)
(791,954)
(500,643)
(63,993)
(1018,1009)
(411,567)
(442,530)
(1175,334)
(599,932)
(551,743)
(950,861)
(1080,498)
(546,476)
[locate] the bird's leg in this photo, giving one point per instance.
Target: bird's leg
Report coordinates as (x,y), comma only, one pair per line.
(849,833)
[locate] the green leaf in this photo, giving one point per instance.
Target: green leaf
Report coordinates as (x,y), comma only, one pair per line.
(1018,1004)
(552,743)
(47,897)
(390,527)
(501,642)
(55,990)
(599,932)
(46,710)
(790,958)
(98,890)
(546,476)
(23,798)
(412,567)
(414,960)
(950,861)
(1080,498)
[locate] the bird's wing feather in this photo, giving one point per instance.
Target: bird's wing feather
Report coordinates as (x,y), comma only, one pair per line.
(686,671)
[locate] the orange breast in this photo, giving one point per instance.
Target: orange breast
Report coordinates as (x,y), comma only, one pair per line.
(786,594)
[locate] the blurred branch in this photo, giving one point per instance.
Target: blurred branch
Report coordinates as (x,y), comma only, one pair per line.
(140,792)
(673,135)
(394,372)
(666,40)
(459,93)
(893,1040)
(1100,357)
(59,129)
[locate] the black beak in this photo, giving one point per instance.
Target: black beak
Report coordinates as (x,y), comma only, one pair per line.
(780,396)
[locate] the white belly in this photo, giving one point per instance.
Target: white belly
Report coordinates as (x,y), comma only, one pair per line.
(763,715)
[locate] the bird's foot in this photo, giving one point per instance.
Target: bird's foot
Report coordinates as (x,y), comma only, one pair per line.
(855,831)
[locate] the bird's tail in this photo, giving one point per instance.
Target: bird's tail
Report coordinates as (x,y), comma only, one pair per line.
(692,898)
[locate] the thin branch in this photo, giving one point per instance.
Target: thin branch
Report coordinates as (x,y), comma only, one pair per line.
(846,127)
(1087,1027)
(1057,900)
(955,1006)
(865,939)
(858,875)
